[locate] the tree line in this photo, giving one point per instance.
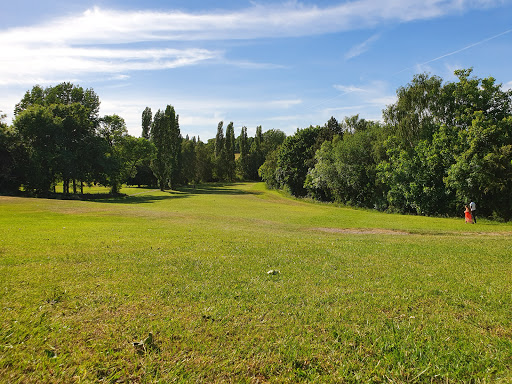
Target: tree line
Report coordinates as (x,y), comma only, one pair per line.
(57,136)
(440,145)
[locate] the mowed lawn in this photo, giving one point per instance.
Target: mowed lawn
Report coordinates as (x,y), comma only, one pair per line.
(356,296)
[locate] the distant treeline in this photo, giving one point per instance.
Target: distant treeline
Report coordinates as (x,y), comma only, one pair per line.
(440,145)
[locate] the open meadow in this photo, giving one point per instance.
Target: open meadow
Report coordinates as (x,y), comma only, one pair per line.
(355,296)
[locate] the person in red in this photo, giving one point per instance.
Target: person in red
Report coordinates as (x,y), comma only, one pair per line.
(467,215)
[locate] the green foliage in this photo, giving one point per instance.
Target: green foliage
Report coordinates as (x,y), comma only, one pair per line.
(204,154)
(295,157)
(271,140)
(256,155)
(416,114)
(9,154)
(188,161)
(268,171)
(345,170)
(243,161)
(38,129)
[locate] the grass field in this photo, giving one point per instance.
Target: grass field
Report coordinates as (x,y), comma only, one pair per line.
(359,296)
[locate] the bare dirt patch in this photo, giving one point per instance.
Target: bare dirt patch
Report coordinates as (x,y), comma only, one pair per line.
(382,231)
(362,231)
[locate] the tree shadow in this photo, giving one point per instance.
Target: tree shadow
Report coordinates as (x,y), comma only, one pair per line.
(180,193)
(144,198)
(217,189)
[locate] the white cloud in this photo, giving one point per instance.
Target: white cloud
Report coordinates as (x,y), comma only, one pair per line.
(68,46)
(99,25)
(28,65)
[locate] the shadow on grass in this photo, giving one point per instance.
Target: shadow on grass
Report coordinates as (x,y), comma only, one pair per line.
(149,196)
(217,189)
(179,193)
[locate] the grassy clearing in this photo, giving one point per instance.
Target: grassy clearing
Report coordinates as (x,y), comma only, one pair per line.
(361,296)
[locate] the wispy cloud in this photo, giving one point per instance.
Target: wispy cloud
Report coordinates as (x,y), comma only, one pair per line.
(72,46)
(422,65)
(292,18)
(359,49)
(349,88)
(52,63)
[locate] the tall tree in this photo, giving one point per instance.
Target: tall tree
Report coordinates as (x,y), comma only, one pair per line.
(160,137)
(219,139)
(220,169)
(334,126)
(147,119)
(242,163)
(230,152)
(165,134)
(256,155)
(175,140)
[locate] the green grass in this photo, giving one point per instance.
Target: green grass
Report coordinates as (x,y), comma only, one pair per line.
(361,296)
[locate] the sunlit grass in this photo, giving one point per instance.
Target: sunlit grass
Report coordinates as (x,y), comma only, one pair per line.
(409,299)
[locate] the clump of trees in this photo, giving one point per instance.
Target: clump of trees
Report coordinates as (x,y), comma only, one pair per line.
(440,145)
(57,136)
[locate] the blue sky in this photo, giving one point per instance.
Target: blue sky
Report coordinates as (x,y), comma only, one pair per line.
(278,64)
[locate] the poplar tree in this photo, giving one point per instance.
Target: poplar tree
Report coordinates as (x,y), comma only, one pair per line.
(256,154)
(220,153)
(147,117)
(230,152)
(165,134)
(161,138)
(219,140)
(243,164)
(175,140)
